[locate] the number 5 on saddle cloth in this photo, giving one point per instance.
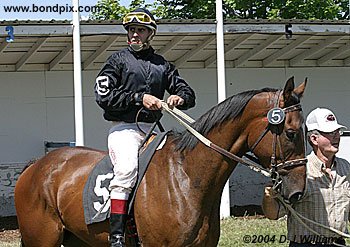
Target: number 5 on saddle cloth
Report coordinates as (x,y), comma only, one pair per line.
(96,201)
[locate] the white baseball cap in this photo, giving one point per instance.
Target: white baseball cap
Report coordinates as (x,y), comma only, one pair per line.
(323,120)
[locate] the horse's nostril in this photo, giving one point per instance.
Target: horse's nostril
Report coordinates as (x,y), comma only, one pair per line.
(295,197)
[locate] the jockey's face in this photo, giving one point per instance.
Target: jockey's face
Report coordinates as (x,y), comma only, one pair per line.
(138,34)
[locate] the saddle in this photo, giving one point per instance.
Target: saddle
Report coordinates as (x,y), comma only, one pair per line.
(96,201)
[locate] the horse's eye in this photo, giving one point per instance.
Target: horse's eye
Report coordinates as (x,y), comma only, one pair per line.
(291,134)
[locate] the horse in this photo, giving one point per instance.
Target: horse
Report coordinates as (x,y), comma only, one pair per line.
(178,200)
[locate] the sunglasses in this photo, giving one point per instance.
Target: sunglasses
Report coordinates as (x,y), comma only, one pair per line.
(333,133)
(139,16)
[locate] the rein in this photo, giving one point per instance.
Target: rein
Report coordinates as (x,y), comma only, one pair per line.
(254,165)
(300,218)
(181,117)
(251,164)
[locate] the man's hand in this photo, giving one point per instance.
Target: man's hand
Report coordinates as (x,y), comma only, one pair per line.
(270,205)
(174,100)
(151,102)
(269,192)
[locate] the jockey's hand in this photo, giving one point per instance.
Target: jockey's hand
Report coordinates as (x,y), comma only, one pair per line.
(175,100)
(151,102)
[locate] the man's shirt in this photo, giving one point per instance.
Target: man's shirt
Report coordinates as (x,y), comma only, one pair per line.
(326,201)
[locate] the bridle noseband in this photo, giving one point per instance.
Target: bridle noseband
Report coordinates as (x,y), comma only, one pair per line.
(276,119)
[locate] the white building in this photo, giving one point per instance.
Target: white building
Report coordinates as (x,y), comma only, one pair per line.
(36,79)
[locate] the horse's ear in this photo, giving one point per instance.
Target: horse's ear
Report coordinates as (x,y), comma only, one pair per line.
(301,88)
(288,89)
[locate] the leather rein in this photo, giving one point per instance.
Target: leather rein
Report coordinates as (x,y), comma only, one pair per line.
(278,116)
(273,173)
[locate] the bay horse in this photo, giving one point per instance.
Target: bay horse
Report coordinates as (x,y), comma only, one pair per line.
(178,201)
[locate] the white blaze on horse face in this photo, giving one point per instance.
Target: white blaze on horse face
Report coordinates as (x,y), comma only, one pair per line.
(103,192)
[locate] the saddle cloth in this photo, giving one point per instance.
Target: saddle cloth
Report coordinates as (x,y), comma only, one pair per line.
(96,201)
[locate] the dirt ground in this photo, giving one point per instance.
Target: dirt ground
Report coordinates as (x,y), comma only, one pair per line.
(8,229)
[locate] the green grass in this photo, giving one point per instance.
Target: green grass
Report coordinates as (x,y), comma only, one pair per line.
(245,231)
(274,232)
(234,231)
(13,244)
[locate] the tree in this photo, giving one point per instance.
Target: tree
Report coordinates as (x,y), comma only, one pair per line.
(182,9)
(112,10)
(109,10)
(310,10)
(233,9)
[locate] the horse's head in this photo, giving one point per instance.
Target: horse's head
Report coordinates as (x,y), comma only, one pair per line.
(277,139)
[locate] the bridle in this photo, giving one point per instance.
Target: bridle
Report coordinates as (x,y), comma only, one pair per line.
(275,126)
(276,118)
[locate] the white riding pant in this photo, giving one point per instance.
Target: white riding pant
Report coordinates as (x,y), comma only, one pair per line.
(124,140)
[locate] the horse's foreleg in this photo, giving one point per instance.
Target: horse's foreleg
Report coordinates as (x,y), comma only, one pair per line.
(40,230)
(214,230)
(38,222)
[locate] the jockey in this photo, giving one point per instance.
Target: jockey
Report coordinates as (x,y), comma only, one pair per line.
(134,79)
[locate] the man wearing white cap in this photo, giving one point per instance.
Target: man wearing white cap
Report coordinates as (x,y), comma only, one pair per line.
(327,195)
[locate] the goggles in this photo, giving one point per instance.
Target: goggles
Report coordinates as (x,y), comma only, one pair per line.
(140,18)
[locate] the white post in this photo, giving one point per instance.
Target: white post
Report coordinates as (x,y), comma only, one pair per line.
(225,198)
(78,97)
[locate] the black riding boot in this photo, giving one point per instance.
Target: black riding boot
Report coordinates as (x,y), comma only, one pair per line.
(117,230)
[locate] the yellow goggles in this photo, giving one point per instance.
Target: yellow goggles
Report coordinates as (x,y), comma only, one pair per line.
(139,16)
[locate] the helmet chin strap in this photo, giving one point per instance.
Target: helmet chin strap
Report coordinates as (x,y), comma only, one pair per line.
(137,46)
(140,46)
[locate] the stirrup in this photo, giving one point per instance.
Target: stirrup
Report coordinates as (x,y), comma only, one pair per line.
(117,241)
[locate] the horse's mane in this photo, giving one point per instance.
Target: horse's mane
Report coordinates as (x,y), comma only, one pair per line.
(230,108)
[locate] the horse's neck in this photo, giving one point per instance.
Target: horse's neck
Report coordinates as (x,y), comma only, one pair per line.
(212,164)
(192,177)
(229,136)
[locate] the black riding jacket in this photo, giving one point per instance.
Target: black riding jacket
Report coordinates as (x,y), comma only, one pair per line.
(128,75)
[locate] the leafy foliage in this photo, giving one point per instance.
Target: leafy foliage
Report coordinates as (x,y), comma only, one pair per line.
(232,9)
(112,10)
(195,9)
(109,10)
